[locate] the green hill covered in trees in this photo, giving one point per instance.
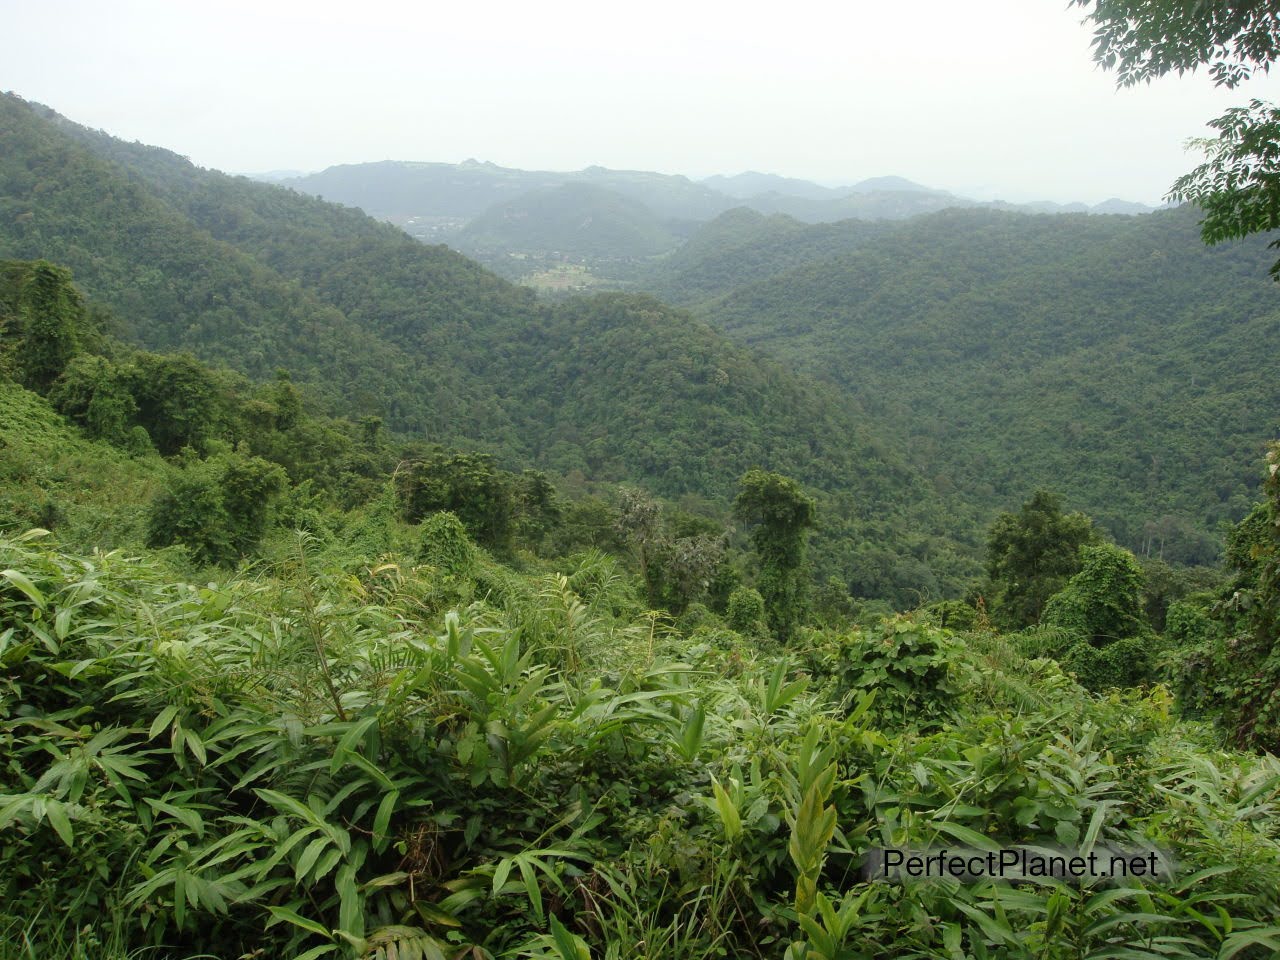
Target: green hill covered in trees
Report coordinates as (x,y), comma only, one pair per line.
(576,219)
(1115,359)
(743,246)
(328,705)
(395,189)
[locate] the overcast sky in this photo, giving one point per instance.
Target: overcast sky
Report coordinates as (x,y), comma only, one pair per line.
(994,100)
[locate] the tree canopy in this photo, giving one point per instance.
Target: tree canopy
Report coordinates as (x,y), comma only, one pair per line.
(1145,39)
(782,514)
(1238,186)
(1031,555)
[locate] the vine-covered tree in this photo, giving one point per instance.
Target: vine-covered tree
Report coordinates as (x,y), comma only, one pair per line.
(468,484)
(640,524)
(50,312)
(1247,660)
(1103,601)
(1031,555)
(782,514)
(538,509)
(94,393)
(676,569)
(177,400)
(217,508)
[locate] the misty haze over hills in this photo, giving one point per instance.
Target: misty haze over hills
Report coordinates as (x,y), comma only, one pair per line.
(392,189)
(597,226)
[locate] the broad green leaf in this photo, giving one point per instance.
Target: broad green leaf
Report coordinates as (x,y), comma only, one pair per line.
(1268,937)
(162,721)
(288,916)
(531,887)
(966,836)
(356,734)
(309,857)
(728,811)
(350,903)
(21,581)
(691,735)
(568,945)
(195,745)
(57,817)
(382,819)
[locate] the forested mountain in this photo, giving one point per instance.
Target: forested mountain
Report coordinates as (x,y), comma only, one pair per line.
(618,388)
(1115,359)
(277,681)
(878,204)
(751,184)
(575,219)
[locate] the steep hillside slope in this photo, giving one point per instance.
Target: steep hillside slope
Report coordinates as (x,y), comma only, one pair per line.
(175,284)
(1115,359)
(52,476)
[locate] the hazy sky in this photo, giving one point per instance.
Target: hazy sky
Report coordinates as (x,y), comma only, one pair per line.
(994,99)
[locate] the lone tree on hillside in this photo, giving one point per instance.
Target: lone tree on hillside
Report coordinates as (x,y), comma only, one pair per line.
(782,514)
(50,311)
(1030,556)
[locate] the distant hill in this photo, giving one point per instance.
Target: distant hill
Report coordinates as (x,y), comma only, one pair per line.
(1113,358)
(743,186)
(575,218)
(859,205)
(437,202)
(743,246)
(399,189)
(889,185)
(275,176)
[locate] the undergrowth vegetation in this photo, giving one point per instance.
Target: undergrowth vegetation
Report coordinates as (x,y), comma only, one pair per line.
(424,757)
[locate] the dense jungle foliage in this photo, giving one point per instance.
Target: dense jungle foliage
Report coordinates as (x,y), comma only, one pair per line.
(276,684)
(354,603)
(1114,359)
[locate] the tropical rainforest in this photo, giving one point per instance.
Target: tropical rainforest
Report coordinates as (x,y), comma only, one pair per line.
(356,602)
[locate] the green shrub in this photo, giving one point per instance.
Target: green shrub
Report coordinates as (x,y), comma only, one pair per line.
(50,314)
(1103,601)
(908,664)
(953,615)
(1188,621)
(443,543)
(1127,662)
(217,508)
(745,612)
(93,393)
(1096,625)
